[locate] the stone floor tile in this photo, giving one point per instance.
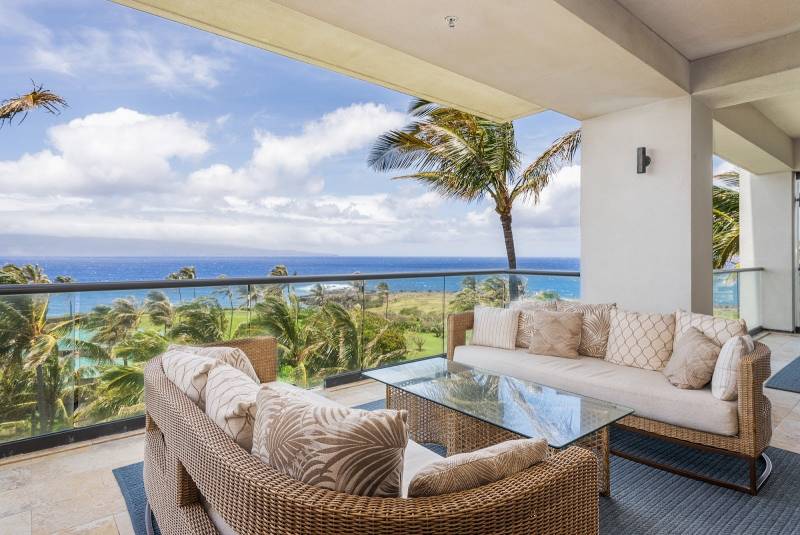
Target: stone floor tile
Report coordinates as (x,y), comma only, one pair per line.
(17,524)
(101,526)
(123,522)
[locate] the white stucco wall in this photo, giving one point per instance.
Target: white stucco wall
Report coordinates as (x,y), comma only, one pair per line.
(767,219)
(646,239)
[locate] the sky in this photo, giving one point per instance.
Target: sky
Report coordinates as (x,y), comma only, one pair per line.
(176,134)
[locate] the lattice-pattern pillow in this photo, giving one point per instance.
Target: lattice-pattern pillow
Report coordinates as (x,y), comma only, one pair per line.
(231,403)
(527,311)
(640,340)
(189,372)
(466,471)
(719,330)
(596,326)
(227,355)
(347,450)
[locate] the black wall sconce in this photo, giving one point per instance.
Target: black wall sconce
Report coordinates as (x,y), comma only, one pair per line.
(642,160)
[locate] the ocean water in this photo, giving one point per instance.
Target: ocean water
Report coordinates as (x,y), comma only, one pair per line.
(105,269)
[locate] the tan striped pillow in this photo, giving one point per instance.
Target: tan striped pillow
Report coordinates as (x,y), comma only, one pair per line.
(466,471)
(347,450)
(189,373)
(231,403)
(228,355)
(527,311)
(725,382)
(495,327)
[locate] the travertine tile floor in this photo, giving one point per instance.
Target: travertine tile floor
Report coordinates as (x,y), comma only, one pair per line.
(71,490)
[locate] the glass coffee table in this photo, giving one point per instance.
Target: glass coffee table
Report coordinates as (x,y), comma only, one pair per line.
(464,408)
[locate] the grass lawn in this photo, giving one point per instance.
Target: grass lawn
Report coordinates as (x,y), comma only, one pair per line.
(424,301)
(433,345)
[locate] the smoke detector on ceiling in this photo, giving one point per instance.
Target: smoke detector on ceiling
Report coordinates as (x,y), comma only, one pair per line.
(451,21)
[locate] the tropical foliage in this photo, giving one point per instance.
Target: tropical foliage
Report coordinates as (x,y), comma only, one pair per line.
(725,200)
(25,103)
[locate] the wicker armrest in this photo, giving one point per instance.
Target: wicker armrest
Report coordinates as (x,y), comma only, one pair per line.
(755,415)
(262,352)
(457,327)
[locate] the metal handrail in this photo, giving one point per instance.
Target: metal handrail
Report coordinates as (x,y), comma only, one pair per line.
(737,270)
(75,287)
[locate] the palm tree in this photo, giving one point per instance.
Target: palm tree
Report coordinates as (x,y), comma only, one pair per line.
(463,156)
(725,201)
(382,289)
(227,292)
(299,339)
(22,104)
(353,352)
(115,323)
(317,294)
(202,320)
(184,273)
(158,306)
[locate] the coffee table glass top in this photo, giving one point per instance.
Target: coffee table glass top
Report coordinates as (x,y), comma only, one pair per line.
(519,406)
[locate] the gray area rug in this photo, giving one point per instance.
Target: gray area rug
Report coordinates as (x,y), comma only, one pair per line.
(787,379)
(645,500)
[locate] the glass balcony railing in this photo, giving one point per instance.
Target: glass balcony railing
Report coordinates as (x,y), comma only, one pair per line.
(73,354)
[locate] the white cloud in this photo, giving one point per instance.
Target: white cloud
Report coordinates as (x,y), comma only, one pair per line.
(285,162)
(109,153)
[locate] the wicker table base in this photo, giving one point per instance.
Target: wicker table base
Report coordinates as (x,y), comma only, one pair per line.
(459,433)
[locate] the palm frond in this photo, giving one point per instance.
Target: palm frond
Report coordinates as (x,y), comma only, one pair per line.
(538,174)
(23,104)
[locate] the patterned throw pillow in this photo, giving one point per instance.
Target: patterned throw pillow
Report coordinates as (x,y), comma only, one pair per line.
(228,355)
(719,330)
(189,372)
(231,403)
(693,359)
(557,334)
(527,311)
(347,450)
(494,327)
(725,382)
(640,340)
(595,328)
(466,471)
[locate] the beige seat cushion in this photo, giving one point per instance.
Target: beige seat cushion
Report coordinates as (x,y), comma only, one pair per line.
(647,392)
(556,333)
(693,360)
(347,450)
(231,403)
(725,382)
(495,327)
(189,372)
(232,356)
(640,340)
(466,471)
(595,328)
(527,311)
(719,330)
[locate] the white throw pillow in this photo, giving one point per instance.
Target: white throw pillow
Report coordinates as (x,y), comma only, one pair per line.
(189,373)
(725,382)
(495,327)
(231,403)
(228,355)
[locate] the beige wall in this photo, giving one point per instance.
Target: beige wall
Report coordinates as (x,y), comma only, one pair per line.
(646,239)
(766,215)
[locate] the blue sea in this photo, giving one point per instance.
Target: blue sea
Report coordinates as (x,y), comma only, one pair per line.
(105,269)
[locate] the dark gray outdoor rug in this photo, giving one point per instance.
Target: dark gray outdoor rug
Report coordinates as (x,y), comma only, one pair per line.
(787,379)
(645,500)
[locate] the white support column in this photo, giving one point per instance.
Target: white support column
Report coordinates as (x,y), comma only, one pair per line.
(766,213)
(646,238)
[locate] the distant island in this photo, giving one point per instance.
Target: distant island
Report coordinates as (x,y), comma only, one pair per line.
(34,245)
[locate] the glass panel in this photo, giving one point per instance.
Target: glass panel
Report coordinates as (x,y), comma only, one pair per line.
(726,295)
(547,287)
(522,407)
(403,320)
(37,384)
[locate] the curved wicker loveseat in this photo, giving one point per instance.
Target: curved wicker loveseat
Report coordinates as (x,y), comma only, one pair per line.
(754,415)
(187,455)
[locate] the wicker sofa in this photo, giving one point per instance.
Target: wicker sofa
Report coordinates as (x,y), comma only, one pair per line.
(745,433)
(198,481)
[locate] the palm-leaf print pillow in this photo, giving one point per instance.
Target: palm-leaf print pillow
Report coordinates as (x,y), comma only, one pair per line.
(338,448)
